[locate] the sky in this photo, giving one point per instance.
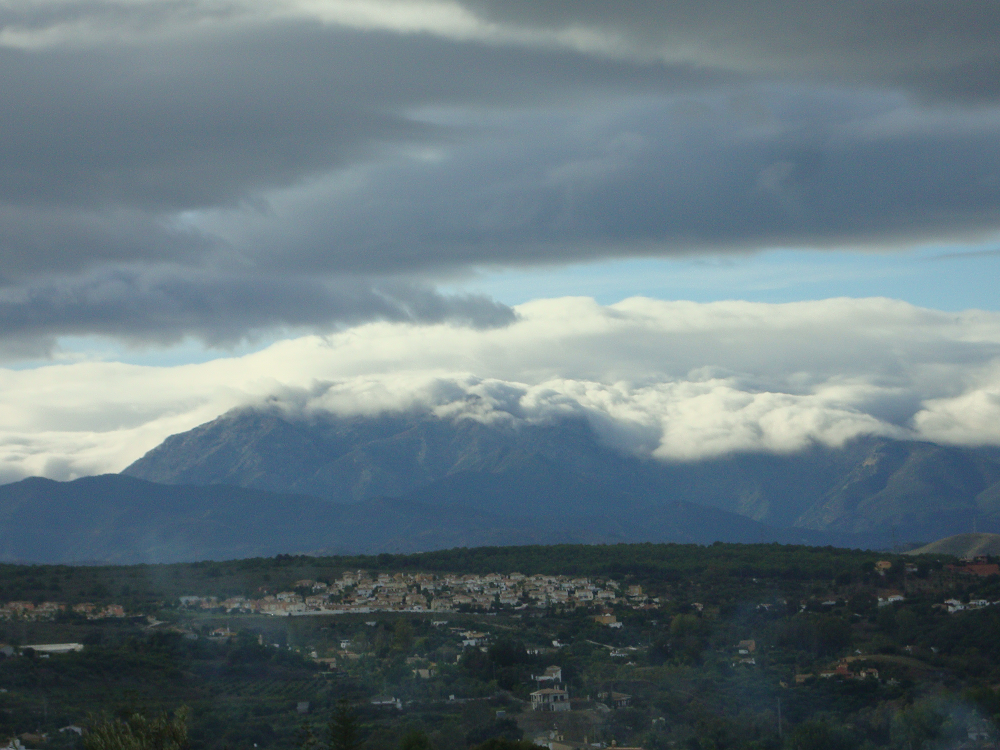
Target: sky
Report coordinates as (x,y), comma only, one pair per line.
(705,226)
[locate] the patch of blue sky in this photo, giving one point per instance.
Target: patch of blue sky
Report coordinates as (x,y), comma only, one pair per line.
(949,278)
(943,278)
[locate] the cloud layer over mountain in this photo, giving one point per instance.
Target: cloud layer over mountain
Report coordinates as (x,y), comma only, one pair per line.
(222,169)
(676,380)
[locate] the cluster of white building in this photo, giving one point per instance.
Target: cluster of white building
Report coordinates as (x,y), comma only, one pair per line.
(357,591)
(21,610)
(954,605)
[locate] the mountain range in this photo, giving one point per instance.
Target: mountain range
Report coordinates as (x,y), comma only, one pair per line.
(260,482)
(871,486)
(120,519)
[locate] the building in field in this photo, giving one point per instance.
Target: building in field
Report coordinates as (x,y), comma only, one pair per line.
(550,699)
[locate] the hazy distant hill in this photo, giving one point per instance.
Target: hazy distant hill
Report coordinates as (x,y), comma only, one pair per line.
(962,545)
(121,519)
(875,487)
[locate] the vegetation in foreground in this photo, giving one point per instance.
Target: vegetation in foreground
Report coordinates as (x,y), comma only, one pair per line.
(727,646)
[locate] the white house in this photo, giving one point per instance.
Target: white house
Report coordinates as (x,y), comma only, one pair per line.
(550,699)
(551,674)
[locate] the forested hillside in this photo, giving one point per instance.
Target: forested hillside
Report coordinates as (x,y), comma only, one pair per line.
(656,646)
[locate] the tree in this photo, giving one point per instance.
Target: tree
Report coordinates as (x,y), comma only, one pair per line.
(508,653)
(832,634)
(816,734)
(137,732)
(402,636)
(502,743)
(505,728)
(415,739)
(306,739)
(343,728)
(916,726)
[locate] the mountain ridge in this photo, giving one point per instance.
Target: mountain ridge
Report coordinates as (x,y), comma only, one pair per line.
(258,483)
(119,519)
(872,486)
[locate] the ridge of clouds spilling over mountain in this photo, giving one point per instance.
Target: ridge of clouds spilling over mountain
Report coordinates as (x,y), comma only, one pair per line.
(230,169)
(675,380)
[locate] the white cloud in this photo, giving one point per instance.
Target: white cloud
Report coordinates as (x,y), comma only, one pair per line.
(842,38)
(161,156)
(90,23)
(678,380)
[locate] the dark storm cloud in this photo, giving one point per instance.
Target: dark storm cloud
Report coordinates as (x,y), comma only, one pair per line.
(41,238)
(167,304)
(98,142)
(273,155)
(207,121)
(935,47)
(799,170)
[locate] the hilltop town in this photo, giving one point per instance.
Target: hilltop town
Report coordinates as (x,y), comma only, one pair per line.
(361,593)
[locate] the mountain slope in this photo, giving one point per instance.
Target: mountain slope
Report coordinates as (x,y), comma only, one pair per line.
(121,519)
(346,459)
(962,545)
(114,518)
(875,487)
